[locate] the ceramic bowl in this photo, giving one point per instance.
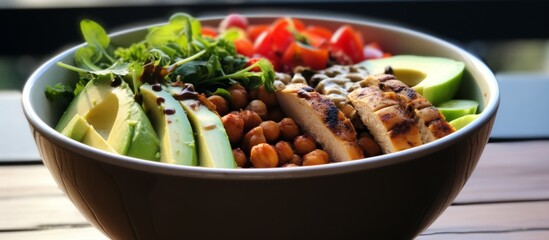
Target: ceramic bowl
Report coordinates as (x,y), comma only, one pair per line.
(393,196)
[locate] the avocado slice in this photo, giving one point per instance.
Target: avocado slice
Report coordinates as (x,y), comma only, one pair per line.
(214,148)
(117,118)
(456,108)
(171,123)
(80,130)
(435,78)
(463,121)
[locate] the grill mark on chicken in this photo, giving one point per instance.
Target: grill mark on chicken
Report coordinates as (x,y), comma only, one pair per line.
(392,124)
(431,122)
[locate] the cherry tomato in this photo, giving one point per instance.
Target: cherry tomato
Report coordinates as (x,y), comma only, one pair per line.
(233,20)
(301,54)
(208,31)
(244,47)
(281,35)
(320,31)
(296,23)
(255,30)
(347,45)
(273,42)
(315,40)
(263,45)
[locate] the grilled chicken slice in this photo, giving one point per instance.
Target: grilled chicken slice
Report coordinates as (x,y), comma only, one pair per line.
(392,125)
(431,122)
(318,116)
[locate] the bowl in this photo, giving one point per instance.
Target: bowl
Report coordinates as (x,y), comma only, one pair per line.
(392,196)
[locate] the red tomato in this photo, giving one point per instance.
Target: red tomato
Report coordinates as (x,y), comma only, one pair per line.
(281,35)
(273,42)
(300,54)
(244,47)
(298,24)
(320,31)
(233,20)
(314,40)
(347,45)
(208,31)
(263,44)
(255,30)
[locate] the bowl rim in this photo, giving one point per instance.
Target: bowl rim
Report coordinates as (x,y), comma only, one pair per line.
(485,116)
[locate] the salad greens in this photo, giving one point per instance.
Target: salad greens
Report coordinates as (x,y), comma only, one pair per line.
(172,52)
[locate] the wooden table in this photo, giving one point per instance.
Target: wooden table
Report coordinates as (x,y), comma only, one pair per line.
(507,197)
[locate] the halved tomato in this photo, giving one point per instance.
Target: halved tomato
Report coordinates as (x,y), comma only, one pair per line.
(347,46)
(255,30)
(320,31)
(299,54)
(244,47)
(208,31)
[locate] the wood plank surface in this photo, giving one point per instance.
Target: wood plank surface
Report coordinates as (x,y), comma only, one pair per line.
(509,171)
(80,233)
(507,197)
(523,220)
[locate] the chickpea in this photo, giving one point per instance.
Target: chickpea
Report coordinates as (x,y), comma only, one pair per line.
(275,114)
(284,151)
(368,145)
(259,107)
(221,104)
(252,94)
(263,155)
(240,157)
(288,129)
(271,130)
(269,98)
(252,138)
(315,157)
(296,159)
(251,119)
(304,144)
(239,97)
(234,126)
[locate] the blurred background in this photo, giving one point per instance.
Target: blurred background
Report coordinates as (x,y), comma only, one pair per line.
(511,37)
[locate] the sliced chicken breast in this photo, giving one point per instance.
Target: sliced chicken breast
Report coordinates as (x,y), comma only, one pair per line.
(318,116)
(392,125)
(431,122)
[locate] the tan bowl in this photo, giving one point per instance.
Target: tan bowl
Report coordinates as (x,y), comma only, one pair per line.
(393,196)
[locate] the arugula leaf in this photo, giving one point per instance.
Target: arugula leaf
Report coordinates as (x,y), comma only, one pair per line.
(59,91)
(251,79)
(173,51)
(88,58)
(96,37)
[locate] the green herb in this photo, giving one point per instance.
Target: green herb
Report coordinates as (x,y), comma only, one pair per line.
(170,52)
(59,92)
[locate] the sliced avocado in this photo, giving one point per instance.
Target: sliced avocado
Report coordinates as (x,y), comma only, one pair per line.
(463,121)
(214,148)
(79,130)
(114,114)
(171,123)
(437,79)
(456,108)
